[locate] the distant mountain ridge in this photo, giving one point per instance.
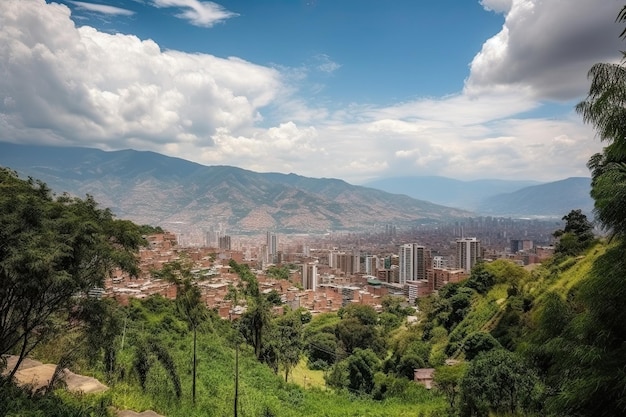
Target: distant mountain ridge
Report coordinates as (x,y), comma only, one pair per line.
(554,199)
(497,197)
(466,195)
(151,188)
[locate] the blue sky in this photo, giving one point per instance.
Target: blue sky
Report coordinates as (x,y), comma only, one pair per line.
(350,89)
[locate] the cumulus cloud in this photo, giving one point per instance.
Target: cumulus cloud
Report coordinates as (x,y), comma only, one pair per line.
(71,85)
(102,8)
(78,84)
(546,47)
(198,13)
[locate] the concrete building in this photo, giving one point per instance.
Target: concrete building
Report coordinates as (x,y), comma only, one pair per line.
(309,276)
(224,242)
(271,245)
(414,260)
(468,252)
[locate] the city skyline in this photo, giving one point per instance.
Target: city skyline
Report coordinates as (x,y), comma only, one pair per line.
(356,91)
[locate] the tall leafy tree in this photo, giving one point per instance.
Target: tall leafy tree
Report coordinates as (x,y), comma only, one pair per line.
(51,250)
(498,381)
(605,109)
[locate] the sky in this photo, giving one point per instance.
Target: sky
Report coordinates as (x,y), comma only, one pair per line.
(356,90)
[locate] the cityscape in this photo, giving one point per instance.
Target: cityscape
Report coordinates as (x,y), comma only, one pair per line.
(325,272)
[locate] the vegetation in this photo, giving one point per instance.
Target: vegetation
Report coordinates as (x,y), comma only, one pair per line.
(51,251)
(503,342)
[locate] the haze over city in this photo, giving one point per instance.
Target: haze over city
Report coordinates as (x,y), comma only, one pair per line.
(352,90)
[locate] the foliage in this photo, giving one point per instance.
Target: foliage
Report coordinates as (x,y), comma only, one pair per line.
(52,250)
(288,340)
(146,229)
(362,366)
(576,236)
(321,350)
(478,342)
(447,379)
(498,381)
(358,329)
(481,279)
(605,109)
(277,272)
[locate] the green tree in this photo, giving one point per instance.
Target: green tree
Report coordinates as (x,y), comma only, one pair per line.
(362,365)
(321,350)
(255,322)
(577,234)
(481,279)
(605,109)
(103,325)
(289,340)
(478,342)
(498,381)
(447,379)
(51,250)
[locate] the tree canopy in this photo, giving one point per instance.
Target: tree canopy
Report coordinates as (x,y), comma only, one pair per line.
(51,250)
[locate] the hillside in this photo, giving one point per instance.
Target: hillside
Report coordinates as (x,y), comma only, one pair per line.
(150,188)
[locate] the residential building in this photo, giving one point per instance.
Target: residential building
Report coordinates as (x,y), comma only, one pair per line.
(468,252)
(414,260)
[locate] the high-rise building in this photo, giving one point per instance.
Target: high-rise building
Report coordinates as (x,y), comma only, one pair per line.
(414,261)
(468,252)
(309,276)
(224,242)
(272,247)
(372,264)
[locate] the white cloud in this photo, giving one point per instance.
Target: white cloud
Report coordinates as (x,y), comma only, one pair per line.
(498,6)
(198,13)
(78,86)
(325,64)
(546,47)
(81,85)
(102,8)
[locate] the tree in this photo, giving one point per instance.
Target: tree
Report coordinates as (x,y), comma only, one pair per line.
(497,381)
(605,108)
(51,250)
(288,331)
(321,350)
(255,322)
(447,380)
(103,324)
(479,342)
(577,234)
(481,279)
(188,304)
(362,365)
(145,354)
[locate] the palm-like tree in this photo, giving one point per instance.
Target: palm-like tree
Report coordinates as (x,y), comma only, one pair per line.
(188,302)
(605,108)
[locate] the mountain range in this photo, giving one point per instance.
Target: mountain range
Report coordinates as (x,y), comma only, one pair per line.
(151,188)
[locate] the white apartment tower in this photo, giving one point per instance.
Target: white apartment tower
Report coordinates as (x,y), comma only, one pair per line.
(468,252)
(413,262)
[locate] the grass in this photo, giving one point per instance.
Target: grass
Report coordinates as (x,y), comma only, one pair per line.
(307,378)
